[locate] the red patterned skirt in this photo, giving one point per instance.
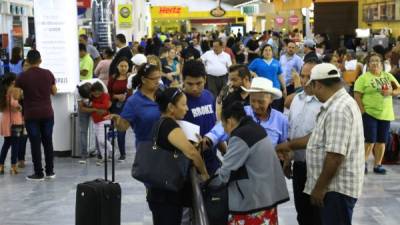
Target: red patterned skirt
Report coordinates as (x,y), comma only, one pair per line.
(265,217)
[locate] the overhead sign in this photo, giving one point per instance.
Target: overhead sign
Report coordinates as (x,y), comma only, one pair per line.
(279,21)
(294,20)
(84,3)
(125,15)
(169,12)
(219,11)
(56,40)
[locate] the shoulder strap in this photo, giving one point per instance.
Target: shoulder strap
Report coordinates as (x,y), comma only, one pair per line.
(157,130)
(9,107)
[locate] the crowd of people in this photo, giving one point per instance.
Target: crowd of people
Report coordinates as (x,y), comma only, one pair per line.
(270,111)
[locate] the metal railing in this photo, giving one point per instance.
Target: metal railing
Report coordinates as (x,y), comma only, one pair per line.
(199,211)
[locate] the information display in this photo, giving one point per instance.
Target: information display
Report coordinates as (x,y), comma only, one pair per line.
(57,41)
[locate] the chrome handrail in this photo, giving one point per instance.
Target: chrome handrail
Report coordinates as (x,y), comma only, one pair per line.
(199,211)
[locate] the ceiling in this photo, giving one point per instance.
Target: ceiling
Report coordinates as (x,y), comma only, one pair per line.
(234,2)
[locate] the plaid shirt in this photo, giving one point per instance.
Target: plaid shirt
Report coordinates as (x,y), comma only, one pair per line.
(339,130)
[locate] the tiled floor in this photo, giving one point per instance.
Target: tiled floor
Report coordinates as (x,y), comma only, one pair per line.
(53,202)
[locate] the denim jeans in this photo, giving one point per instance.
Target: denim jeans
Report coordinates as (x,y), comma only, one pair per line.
(12,142)
(307,214)
(40,131)
(84,120)
(22,148)
(121,142)
(338,209)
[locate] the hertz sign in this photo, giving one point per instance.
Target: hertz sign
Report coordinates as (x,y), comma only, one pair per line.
(169,12)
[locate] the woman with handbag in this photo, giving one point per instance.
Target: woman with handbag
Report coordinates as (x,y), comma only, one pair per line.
(117,88)
(11,126)
(251,169)
(165,205)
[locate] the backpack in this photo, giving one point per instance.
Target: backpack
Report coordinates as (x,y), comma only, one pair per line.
(392,150)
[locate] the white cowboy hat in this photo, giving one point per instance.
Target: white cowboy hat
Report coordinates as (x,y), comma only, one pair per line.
(261,84)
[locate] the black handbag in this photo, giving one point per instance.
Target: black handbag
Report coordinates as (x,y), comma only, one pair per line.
(216,202)
(17,130)
(160,168)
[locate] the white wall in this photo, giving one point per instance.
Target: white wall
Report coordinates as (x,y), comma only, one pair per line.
(194,5)
(140,11)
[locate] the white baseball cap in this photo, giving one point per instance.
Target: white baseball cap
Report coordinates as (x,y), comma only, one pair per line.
(139,59)
(324,71)
(261,84)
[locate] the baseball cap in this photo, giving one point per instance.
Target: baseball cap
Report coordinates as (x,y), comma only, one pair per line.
(139,59)
(324,71)
(309,43)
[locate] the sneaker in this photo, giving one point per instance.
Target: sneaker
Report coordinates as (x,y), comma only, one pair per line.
(122,158)
(50,175)
(83,160)
(99,162)
(379,170)
(35,177)
(99,157)
(366,169)
(92,154)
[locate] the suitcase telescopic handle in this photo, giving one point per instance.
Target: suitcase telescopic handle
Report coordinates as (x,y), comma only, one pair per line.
(109,127)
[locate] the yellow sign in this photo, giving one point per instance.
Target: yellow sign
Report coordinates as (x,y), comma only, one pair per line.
(159,12)
(125,15)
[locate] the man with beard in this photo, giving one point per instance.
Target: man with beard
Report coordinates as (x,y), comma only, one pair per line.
(239,76)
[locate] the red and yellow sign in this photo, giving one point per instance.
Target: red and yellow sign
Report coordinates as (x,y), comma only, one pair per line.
(84,3)
(169,12)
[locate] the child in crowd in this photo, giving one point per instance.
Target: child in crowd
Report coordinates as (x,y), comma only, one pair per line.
(11,109)
(101,103)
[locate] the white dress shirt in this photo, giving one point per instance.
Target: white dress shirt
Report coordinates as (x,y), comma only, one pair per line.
(216,65)
(302,119)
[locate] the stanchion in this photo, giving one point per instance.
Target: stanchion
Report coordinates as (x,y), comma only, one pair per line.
(199,211)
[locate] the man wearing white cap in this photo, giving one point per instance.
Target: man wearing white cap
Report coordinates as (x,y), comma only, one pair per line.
(309,50)
(335,151)
(137,60)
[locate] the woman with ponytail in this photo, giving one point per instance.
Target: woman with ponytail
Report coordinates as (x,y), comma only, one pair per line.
(141,110)
(11,109)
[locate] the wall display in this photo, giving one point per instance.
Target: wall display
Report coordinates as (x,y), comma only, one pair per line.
(56,40)
(381,11)
(125,15)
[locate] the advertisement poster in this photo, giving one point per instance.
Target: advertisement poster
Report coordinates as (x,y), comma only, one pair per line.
(57,42)
(125,15)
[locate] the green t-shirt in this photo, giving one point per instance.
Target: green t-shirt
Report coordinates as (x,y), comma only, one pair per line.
(375,104)
(86,63)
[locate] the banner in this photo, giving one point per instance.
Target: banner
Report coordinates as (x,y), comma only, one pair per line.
(125,15)
(179,12)
(84,3)
(56,28)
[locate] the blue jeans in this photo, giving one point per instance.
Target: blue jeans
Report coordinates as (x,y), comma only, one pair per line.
(12,142)
(40,131)
(121,142)
(307,214)
(338,209)
(22,147)
(84,119)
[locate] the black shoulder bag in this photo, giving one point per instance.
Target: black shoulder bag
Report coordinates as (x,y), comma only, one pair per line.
(160,168)
(17,130)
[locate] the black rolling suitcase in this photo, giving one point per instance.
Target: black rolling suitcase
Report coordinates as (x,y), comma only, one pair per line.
(98,202)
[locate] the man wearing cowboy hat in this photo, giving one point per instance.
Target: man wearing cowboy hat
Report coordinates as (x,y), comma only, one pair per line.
(262,93)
